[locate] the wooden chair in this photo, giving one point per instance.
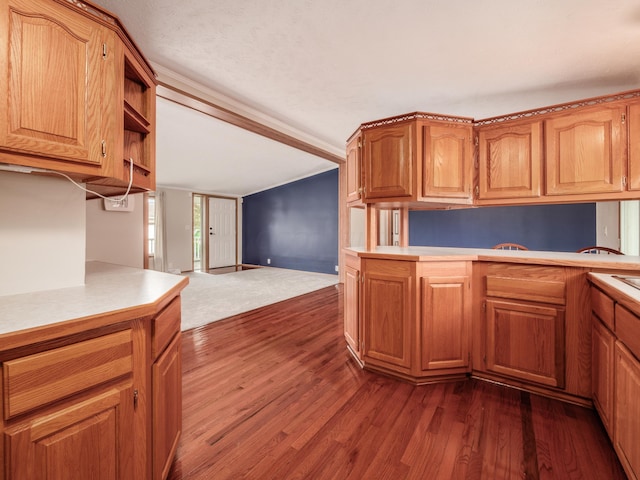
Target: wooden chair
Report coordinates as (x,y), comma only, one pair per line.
(509,246)
(603,250)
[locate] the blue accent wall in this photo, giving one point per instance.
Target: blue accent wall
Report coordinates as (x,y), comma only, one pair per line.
(561,228)
(295,225)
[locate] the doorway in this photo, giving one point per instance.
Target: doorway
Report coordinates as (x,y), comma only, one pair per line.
(221,232)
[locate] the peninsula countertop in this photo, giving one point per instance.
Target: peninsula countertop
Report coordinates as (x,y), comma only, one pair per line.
(534,257)
(111,293)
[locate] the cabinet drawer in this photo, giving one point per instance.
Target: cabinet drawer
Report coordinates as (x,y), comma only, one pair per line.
(545,291)
(628,329)
(165,326)
(42,378)
(602,306)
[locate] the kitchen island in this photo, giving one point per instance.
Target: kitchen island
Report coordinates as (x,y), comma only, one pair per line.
(92,377)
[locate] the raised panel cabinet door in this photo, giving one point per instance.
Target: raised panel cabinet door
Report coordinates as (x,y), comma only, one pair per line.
(354,181)
(90,439)
(389,162)
(526,341)
(167,407)
(352,307)
(447,161)
(602,361)
(51,82)
(627,410)
(585,152)
(387,318)
(509,161)
(445,322)
(633,162)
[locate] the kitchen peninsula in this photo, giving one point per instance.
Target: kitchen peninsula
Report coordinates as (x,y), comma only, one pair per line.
(96,365)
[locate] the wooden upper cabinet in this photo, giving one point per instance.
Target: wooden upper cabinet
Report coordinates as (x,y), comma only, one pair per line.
(353,171)
(633,161)
(447,157)
(389,163)
(585,151)
(50,83)
(509,161)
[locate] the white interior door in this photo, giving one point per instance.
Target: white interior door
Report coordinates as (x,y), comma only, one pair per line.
(222,232)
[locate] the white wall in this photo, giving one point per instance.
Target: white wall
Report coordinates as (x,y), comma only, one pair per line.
(608,224)
(179,226)
(116,237)
(42,233)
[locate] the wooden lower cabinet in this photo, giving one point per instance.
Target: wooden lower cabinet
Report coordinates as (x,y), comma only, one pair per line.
(602,379)
(526,341)
(352,303)
(627,410)
(388,312)
(415,317)
(85,405)
(167,407)
(90,438)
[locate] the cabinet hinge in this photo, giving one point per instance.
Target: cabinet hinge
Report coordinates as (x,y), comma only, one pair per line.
(475,141)
(104,51)
(624,118)
(484,306)
(477,190)
(135,399)
(359,143)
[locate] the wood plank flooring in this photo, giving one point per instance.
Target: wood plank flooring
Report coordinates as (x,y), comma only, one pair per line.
(273,394)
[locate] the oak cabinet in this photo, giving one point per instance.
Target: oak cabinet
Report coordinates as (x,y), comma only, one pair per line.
(352,303)
(414,158)
(76,96)
(524,323)
(69,411)
(51,84)
(633,160)
(445,317)
(510,159)
(353,171)
(585,151)
(389,162)
(388,312)
(627,410)
(602,379)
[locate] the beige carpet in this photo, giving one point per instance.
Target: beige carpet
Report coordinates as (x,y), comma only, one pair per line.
(208,298)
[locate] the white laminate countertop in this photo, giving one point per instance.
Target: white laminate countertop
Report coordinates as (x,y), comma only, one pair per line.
(624,292)
(108,288)
(572,259)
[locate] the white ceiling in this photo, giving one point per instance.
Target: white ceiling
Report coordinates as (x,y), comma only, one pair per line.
(320,68)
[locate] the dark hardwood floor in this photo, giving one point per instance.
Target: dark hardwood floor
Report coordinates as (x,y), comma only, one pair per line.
(273,394)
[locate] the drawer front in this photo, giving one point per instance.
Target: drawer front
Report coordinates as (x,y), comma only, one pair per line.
(628,329)
(42,378)
(544,291)
(165,326)
(602,306)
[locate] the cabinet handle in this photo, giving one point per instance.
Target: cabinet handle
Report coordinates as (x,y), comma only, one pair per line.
(135,399)
(477,191)
(624,181)
(104,51)
(104,149)
(624,118)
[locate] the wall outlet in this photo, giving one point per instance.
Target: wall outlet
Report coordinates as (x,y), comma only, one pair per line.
(337,269)
(268,261)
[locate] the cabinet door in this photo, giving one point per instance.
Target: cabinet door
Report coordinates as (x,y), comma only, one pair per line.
(627,410)
(445,322)
(354,181)
(387,313)
(388,162)
(509,161)
(88,439)
(446,161)
(352,308)
(585,152)
(602,361)
(167,407)
(51,82)
(633,162)
(526,341)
